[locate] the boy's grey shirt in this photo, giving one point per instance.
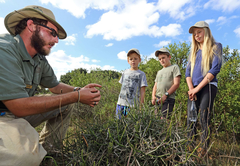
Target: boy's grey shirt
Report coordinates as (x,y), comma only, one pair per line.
(132,81)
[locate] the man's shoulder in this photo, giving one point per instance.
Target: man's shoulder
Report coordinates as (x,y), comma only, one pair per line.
(6,40)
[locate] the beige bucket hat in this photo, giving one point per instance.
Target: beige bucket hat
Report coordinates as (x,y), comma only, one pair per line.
(199,24)
(133,50)
(13,18)
(162,50)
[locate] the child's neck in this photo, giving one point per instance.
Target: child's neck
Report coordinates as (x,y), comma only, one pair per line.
(134,68)
(167,65)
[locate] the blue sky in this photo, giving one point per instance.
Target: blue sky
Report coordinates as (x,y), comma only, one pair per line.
(100,32)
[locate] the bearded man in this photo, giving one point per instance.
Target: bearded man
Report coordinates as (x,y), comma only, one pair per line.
(23,66)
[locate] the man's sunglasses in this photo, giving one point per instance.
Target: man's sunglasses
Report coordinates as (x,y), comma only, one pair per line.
(53,33)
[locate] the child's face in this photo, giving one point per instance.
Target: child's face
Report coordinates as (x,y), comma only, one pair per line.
(198,34)
(134,60)
(164,60)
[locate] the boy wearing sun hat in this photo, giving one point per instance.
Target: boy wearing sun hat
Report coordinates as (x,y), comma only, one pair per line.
(133,83)
(166,83)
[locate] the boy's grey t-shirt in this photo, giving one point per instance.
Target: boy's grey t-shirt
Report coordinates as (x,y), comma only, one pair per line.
(132,81)
(164,79)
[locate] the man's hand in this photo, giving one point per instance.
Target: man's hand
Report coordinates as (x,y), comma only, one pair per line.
(90,95)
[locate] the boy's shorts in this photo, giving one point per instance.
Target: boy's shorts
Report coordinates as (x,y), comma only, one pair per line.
(167,107)
(121,110)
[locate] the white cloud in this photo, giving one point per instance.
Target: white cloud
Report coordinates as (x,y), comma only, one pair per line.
(2,1)
(224,5)
(133,20)
(95,61)
(122,55)
(178,9)
(222,20)
(77,8)
(170,30)
(109,45)
(122,26)
(127,18)
(108,67)
(152,55)
(2,26)
(237,31)
(63,63)
(233,17)
(162,43)
(71,40)
(209,21)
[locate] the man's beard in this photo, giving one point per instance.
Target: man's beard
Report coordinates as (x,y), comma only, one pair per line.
(37,43)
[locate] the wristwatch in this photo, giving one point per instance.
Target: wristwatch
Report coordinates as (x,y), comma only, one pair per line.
(167,94)
(76,88)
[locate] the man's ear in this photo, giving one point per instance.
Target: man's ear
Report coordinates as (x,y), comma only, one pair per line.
(31,26)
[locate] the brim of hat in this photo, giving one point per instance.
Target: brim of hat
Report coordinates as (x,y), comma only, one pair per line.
(132,51)
(157,52)
(12,19)
(192,27)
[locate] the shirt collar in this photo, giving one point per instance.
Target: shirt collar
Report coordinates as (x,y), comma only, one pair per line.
(23,52)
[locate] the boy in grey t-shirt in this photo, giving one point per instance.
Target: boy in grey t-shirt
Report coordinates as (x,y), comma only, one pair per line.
(166,83)
(133,83)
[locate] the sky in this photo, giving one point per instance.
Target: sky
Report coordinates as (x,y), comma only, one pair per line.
(101,32)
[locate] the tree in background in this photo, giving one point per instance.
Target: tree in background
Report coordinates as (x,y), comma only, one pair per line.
(68,76)
(227,102)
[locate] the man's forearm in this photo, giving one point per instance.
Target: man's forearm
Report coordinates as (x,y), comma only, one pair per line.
(61,88)
(36,105)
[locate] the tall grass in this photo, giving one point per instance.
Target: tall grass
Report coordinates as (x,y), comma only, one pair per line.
(141,138)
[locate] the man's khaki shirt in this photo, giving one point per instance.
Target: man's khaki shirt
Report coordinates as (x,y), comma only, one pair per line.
(20,74)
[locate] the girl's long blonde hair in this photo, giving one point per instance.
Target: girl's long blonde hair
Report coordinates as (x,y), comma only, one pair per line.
(209,48)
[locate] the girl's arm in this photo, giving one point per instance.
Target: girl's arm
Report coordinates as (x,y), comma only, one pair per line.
(208,78)
(190,87)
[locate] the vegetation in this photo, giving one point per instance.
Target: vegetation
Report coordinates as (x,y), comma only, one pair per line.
(96,137)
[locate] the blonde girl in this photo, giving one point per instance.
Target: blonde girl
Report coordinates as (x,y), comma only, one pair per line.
(205,61)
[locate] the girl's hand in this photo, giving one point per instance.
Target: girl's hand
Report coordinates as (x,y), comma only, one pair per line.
(192,93)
